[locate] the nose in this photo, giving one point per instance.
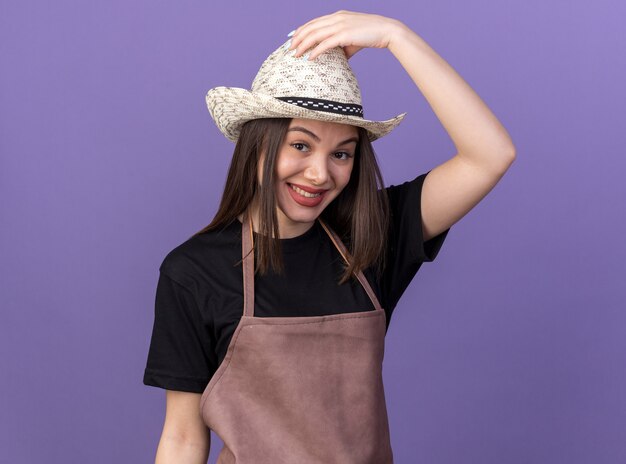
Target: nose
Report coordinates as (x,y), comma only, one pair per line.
(317,170)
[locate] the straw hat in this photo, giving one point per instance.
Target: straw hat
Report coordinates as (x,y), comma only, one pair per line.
(324,89)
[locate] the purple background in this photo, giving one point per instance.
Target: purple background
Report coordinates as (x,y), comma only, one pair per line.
(508,348)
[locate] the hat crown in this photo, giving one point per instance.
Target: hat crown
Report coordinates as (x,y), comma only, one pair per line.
(328,77)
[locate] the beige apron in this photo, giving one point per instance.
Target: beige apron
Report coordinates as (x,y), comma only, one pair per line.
(301,390)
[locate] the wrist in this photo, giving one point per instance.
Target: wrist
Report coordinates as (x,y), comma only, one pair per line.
(399,33)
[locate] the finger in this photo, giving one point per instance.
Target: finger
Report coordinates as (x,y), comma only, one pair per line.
(315,37)
(320,21)
(326,44)
(305,31)
(324,17)
(299,30)
(319,18)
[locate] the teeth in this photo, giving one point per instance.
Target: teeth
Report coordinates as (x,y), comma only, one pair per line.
(303,193)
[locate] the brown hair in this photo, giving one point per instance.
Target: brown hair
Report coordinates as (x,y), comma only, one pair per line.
(359,214)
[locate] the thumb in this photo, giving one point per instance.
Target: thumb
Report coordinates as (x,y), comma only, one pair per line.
(350,50)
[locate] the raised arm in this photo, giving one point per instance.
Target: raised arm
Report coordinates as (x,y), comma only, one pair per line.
(484,148)
(185,438)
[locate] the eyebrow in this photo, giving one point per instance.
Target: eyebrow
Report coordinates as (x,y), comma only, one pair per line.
(307,131)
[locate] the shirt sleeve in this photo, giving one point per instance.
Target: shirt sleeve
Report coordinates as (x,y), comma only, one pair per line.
(406,250)
(181,352)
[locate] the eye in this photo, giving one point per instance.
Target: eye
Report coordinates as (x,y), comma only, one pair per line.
(343,155)
(300,146)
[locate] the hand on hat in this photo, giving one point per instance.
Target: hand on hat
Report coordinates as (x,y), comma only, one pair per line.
(350,30)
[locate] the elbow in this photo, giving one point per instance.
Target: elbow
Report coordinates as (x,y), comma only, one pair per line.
(494,161)
(507,157)
(511,153)
(179,448)
(510,156)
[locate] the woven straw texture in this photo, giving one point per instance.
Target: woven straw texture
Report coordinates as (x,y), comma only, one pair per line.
(328,77)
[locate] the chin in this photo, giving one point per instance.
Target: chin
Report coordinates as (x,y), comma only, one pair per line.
(293,215)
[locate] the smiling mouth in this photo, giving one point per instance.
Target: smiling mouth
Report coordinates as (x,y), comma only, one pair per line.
(304,193)
(304,198)
(307,191)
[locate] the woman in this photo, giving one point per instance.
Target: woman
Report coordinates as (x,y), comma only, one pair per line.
(285,365)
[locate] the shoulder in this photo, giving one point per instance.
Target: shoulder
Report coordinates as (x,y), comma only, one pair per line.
(206,253)
(401,191)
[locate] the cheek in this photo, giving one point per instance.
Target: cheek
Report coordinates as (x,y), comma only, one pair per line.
(287,166)
(343,176)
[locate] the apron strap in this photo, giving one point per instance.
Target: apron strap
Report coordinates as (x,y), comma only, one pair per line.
(247,242)
(346,256)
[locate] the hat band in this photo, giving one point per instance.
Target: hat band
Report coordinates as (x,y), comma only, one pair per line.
(327,106)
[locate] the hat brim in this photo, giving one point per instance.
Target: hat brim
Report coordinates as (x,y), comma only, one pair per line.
(231,107)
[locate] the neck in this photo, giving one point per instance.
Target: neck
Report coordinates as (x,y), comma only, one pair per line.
(284,231)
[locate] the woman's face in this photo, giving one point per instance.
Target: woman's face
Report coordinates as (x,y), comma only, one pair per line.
(313,166)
